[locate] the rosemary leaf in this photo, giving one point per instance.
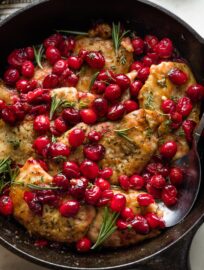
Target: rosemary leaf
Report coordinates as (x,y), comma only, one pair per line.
(93,80)
(36,187)
(117,36)
(38,52)
(58,104)
(73,32)
(4,165)
(149,101)
(123,133)
(123,60)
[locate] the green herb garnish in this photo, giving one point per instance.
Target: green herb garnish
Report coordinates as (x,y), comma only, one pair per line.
(123,60)
(117,35)
(38,52)
(36,187)
(58,104)
(93,80)
(15,143)
(162,82)
(79,33)
(124,134)
(149,101)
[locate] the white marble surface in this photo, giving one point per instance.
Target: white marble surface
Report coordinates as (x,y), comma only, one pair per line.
(191,11)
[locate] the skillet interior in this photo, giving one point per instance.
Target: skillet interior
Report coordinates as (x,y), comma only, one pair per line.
(30,27)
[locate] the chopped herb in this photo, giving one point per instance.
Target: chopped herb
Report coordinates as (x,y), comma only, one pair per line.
(107,228)
(123,133)
(117,35)
(113,67)
(149,132)
(93,80)
(58,104)
(60,158)
(161,141)
(174,98)
(123,60)
(5,165)
(53,139)
(79,33)
(162,82)
(36,187)
(83,105)
(15,143)
(38,52)
(149,101)
(181,133)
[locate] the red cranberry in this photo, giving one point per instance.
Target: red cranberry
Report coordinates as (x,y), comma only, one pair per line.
(188,127)
(95,59)
(184,106)
(155,192)
(2,104)
(177,76)
(168,149)
(154,221)
(27,69)
(127,213)
(39,109)
(102,184)
(140,225)
(22,85)
(11,76)
(105,198)
(78,187)
(169,195)
(106,76)
(41,243)
(59,67)
(53,40)
(52,54)
(158,181)
(70,169)
(138,45)
(164,48)
(30,53)
(145,199)
(88,116)
(17,57)
(136,66)
(94,152)
(60,125)
(67,46)
(123,81)
(32,201)
(69,208)
(143,74)
(82,53)
(61,181)
(94,136)
(40,145)
(92,195)
(43,165)
(39,95)
(59,149)
(8,116)
(112,92)
(130,105)
(98,87)
(150,42)
(47,197)
(72,80)
(51,81)
(41,123)
(121,224)
(71,115)
(168,106)
(6,205)
(147,176)
(176,119)
(118,202)
(136,181)
(74,62)
(105,173)
(89,169)
(76,137)
(135,88)
(83,245)
(100,106)
(176,176)
(124,182)
(147,61)
(116,112)
(195,92)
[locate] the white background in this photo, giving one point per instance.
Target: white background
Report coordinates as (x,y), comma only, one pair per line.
(192,12)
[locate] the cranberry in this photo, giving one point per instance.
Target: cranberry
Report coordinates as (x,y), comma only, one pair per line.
(154,221)
(94,136)
(51,81)
(155,192)
(184,106)
(61,181)
(39,109)
(71,115)
(41,243)
(176,176)
(140,225)
(138,45)
(95,59)
(22,85)
(147,61)
(2,104)
(118,202)
(58,149)
(74,62)
(69,208)
(106,76)
(59,67)
(169,195)
(52,54)
(41,123)
(67,46)
(94,152)
(124,182)
(98,87)
(6,205)
(164,48)
(112,92)
(195,92)
(70,169)
(136,66)
(100,106)
(158,181)
(130,105)
(127,213)
(17,57)
(30,53)
(83,245)
(60,125)
(27,69)
(32,201)
(11,76)
(123,81)
(116,112)
(143,74)
(72,80)
(176,119)
(188,127)
(88,116)
(168,106)
(135,88)
(105,173)
(53,40)
(136,181)
(105,198)
(177,76)
(47,197)
(39,95)
(168,149)
(150,42)
(89,169)
(145,199)
(8,116)
(40,145)
(76,137)
(82,53)
(78,187)
(121,224)
(147,176)
(102,184)
(92,195)
(43,165)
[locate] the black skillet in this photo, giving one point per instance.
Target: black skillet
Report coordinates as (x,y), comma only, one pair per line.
(29,26)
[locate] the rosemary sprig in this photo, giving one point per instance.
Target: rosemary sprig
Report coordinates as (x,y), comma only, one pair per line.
(123,133)
(58,104)
(107,228)
(123,60)
(149,101)
(117,35)
(93,80)
(5,165)
(38,52)
(73,32)
(36,187)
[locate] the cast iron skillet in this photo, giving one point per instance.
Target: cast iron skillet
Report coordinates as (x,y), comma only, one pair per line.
(29,26)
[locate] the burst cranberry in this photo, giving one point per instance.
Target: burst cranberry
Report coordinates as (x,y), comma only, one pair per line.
(168,106)
(6,205)
(136,66)
(147,61)
(40,145)
(135,88)
(130,105)
(116,112)
(164,48)
(176,176)
(32,201)
(30,53)
(76,137)
(140,225)
(8,116)
(158,181)
(105,173)
(138,45)
(168,149)
(94,152)
(124,182)
(154,221)
(127,213)
(52,54)
(177,76)
(195,92)
(39,95)
(95,59)
(143,74)
(59,67)
(155,192)
(105,198)
(78,187)
(150,42)
(136,181)
(82,53)
(70,169)
(102,184)
(69,208)
(94,136)
(47,197)
(17,57)
(51,81)
(169,195)
(123,81)
(121,224)
(58,149)
(11,76)
(89,169)
(88,116)
(60,125)
(118,202)
(53,40)
(41,123)
(184,106)
(106,76)
(61,181)
(188,127)
(83,245)
(39,109)
(112,92)
(100,106)
(71,115)
(22,85)
(67,46)
(147,176)
(43,165)
(27,69)
(98,87)
(145,199)
(74,62)
(92,195)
